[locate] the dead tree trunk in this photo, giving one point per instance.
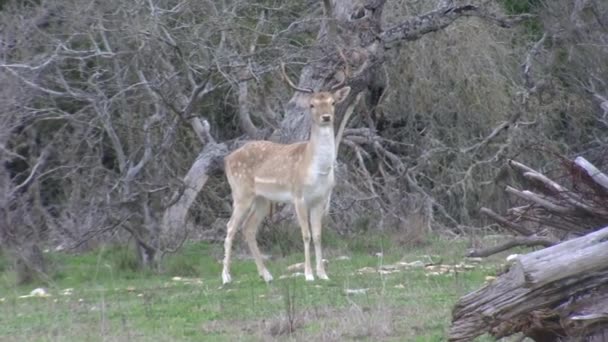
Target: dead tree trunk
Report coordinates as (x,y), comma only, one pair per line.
(555,294)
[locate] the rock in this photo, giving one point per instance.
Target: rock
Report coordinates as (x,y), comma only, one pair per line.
(366,270)
(355,291)
(512,257)
(38,292)
(474,259)
(416,264)
(388,267)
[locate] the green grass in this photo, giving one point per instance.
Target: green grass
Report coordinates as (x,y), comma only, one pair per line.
(112,301)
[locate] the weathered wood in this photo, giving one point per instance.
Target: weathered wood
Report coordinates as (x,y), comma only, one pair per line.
(207,161)
(570,245)
(528,241)
(533,284)
(543,202)
(593,172)
(585,254)
(506,223)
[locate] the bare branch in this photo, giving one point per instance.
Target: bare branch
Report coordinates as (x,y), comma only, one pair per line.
(505,222)
(528,241)
(345,118)
(527,66)
(503,126)
(34,172)
(244,114)
(34,85)
(345,73)
(415,28)
(134,170)
(598,176)
(542,201)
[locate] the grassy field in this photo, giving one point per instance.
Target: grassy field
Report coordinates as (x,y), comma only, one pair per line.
(100,296)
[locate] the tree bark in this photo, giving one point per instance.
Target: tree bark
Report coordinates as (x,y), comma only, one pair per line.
(540,293)
(209,159)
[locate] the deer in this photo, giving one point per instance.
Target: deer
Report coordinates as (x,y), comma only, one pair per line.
(262,172)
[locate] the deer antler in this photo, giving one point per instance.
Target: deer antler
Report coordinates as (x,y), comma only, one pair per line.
(345,73)
(291,84)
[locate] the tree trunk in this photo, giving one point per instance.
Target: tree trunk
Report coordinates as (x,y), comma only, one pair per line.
(210,158)
(556,292)
(362,54)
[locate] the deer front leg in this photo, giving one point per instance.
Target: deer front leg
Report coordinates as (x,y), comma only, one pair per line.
(239,213)
(302,213)
(316,218)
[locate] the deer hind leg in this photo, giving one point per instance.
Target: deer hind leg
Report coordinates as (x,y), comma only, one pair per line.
(302,213)
(241,209)
(260,209)
(316,218)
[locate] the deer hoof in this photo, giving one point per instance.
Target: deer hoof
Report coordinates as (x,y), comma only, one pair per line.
(322,276)
(267,276)
(226,279)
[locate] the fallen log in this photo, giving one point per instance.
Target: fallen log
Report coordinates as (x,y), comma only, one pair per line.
(550,212)
(554,294)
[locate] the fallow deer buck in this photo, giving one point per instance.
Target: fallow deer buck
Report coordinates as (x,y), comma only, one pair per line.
(261,172)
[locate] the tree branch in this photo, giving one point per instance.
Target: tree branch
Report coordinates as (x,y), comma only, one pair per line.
(134,170)
(415,28)
(505,223)
(528,241)
(347,114)
(593,172)
(244,114)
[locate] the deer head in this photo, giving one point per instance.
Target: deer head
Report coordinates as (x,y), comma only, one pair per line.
(322,103)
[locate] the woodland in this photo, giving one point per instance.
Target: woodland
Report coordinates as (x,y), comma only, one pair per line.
(115,118)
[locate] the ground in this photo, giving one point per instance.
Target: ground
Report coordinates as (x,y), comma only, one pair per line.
(378,291)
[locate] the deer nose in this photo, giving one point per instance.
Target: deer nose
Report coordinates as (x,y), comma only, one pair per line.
(326,118)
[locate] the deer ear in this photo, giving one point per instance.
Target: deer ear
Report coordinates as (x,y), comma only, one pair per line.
(341,94)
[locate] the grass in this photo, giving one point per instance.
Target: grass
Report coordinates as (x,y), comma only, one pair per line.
(112,301)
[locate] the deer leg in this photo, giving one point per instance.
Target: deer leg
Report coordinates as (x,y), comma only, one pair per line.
(240,212)
(302,213)
(260,209)
(316,218)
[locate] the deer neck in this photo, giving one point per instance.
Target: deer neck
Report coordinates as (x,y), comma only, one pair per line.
(321,150)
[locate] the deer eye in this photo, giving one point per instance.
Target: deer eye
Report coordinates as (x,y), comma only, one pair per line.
(333,103)
(312,106)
